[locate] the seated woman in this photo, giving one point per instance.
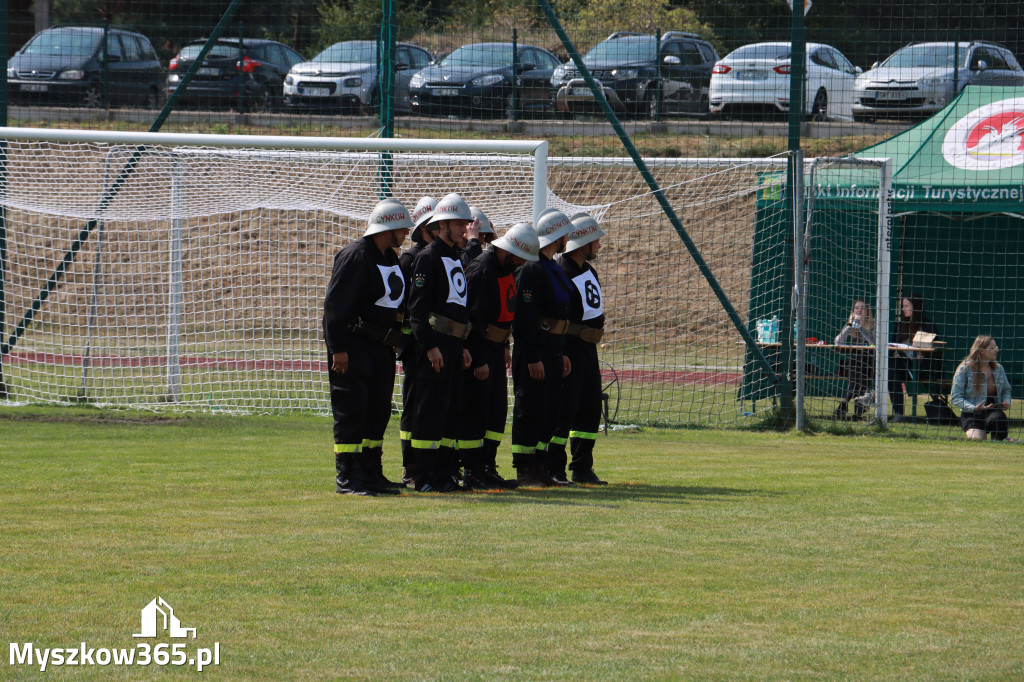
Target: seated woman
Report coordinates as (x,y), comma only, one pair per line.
(982,392)
(901,362)
(859,331)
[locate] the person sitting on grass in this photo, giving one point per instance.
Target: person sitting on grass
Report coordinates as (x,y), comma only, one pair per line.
(982,392)
(859,331)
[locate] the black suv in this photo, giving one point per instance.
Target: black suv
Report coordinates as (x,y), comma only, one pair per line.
(248,74)
(633,69)
(70,65)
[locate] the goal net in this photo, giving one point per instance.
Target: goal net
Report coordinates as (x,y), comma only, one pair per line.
(195,279)
(147,270)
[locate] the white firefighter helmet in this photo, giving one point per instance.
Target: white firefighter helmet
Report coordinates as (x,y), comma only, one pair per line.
(551,226)
(584,230)
(388,215)
(422,214)
(520,240)
(485,224)
(451,207)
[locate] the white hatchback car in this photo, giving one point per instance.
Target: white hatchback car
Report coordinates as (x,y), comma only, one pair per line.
(344,77)
(756,77)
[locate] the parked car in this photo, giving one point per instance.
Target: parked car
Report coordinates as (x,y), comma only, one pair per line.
(756,77)
(921,78)
(477,80)
(70,65)
(246,73)
(626,67)
(344,76)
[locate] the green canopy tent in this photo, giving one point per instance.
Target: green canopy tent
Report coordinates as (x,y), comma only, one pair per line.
(957,219)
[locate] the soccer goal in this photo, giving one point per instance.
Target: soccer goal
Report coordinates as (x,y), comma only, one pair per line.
(843,271)
(151,269)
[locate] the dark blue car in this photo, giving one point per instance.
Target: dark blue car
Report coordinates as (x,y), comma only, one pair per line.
(477,80)
(75,65)
(248,75)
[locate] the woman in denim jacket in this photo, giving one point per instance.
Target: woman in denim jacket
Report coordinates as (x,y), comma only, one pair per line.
(982,392)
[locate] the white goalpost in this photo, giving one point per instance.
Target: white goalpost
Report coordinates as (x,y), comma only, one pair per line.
(150,268)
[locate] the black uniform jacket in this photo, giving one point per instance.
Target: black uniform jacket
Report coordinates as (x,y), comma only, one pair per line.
(492,300)
(365,284)
(542,290)
(438,286)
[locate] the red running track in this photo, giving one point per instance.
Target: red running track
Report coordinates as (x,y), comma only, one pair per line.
(641,376)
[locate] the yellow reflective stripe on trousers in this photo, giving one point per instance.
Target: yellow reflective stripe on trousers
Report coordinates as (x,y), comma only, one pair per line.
(405,435)
(347,447)
(542,447)
(555,440)
(447,442)
(494,435)
(469,444)
(583,434)
(424,444)
(367,443)
(522,450)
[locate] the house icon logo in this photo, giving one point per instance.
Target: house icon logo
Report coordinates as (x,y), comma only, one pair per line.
(158,615)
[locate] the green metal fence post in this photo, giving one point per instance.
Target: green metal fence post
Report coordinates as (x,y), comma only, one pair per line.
(797,97)
(691,247)
(386,87)
(514,104)
(4,44)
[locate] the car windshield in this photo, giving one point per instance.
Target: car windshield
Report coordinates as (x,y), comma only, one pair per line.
(218,51)
(917,56)
(761,51)
(623,50)
(64,43)
(480,55)
(361,51)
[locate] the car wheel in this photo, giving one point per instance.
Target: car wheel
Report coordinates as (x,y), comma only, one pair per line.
(819,109)
(373,108)
(651,105)
(93,96)
(263,101)
(509,109)
(864,118)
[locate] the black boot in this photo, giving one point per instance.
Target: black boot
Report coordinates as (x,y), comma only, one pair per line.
(582,464)
(557,459)
(346,482)
(489,457)
(432,472)
(375,459)
(367,465)
(528,471)
(475,477)
(840,413)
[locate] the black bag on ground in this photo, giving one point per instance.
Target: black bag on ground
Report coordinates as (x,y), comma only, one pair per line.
(939,412)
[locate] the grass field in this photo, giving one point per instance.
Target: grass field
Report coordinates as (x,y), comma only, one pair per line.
(712,555)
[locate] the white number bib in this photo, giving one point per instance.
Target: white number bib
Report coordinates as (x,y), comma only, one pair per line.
(394,286)
(590,292)
(456,280)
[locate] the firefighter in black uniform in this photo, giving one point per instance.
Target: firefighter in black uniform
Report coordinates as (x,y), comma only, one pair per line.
(479,233)
(492,291)
(423,232)
(440,324)
(581,414)
(362,319)
(539,363)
